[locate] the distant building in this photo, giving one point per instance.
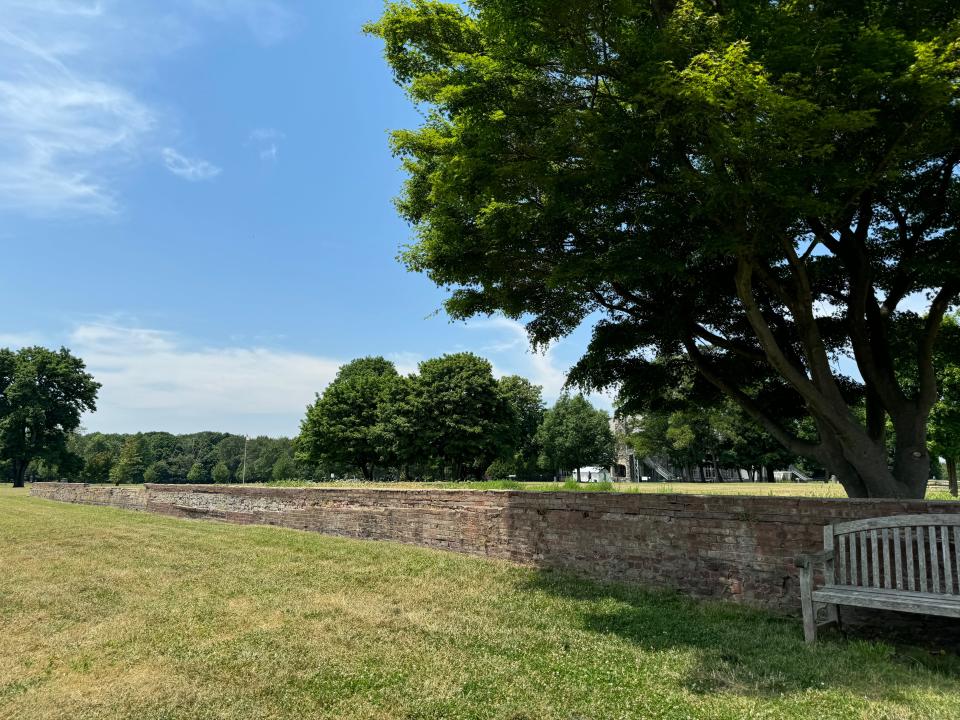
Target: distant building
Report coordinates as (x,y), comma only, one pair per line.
(629,467)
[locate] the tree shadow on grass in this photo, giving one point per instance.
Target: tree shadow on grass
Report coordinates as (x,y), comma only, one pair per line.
(745,651)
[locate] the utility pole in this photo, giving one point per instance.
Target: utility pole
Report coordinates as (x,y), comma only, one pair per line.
(243,472)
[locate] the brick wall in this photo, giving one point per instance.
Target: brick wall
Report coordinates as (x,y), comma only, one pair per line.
(736,548)
(129,498)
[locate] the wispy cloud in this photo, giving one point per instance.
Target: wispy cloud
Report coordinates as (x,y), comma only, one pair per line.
(71,119)
(61,128)
(192,169)
(267,143)
(269,21)
(508,347)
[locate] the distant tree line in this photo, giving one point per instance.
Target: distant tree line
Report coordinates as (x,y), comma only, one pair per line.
(450,420)
(162,457)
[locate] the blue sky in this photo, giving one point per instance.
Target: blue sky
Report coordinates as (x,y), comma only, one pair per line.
(196,197)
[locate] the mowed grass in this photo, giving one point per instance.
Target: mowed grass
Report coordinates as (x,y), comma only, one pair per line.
(811,489)
(107,613)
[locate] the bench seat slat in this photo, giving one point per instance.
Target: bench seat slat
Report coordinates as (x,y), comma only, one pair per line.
(882,599)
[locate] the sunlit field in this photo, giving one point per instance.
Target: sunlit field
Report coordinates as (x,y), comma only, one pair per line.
(811,489)
(106,613)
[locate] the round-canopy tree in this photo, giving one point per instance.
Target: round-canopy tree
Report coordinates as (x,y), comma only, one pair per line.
(759,185)
(342,426)
(574,434)
(43,394)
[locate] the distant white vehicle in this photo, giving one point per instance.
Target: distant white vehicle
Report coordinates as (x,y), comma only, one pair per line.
(592,474)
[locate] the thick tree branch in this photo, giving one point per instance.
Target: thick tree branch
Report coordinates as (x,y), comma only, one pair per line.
(750,406)
(775,355)
(741,349)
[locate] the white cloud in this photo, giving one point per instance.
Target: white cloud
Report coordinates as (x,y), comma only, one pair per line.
(192,169)
(510,353)
(155,380)
(61,128)
(158,380)
(71,119)
(267,143)
(268,21)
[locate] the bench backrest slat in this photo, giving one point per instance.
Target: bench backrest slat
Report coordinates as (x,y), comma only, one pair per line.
(934,559)
(908,546)
(925,555)
(864,559)
(947,560)
(853,558)
(956,553)
(875,555)
(887,575)
(897,558)
(841,550)
(922,559)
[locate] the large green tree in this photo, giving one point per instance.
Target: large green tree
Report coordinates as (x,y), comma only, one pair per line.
(43,394)
(574,434)
(759,185)
(460,417)
(342,425)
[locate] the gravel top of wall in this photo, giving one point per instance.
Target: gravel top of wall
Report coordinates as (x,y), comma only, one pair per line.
(587,498)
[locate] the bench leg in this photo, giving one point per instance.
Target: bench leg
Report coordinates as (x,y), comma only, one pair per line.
(806,603)
(832,615)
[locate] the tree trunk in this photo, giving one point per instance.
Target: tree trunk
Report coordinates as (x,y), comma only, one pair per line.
(703,477)
(952,475)
(578,474)
(769,469)
(19,473)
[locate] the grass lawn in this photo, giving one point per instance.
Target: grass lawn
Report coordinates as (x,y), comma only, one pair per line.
(106,613)
(811,489)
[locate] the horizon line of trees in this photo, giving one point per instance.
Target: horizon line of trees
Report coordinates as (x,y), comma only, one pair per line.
(451,419)
(163,457)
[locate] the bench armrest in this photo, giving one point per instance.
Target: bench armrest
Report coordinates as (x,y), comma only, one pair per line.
(808,560)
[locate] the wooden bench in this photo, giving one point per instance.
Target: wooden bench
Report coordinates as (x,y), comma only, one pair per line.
(908,563)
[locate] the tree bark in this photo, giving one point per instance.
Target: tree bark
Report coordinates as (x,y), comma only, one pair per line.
(578,474)
(19,473)
(952,475)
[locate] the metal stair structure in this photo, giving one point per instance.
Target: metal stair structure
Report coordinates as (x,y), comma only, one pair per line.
(664,473)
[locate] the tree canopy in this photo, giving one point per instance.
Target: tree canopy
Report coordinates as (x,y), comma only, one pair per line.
(462,419)
(574,434)
(342,426)
(759,186)
(43,394)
